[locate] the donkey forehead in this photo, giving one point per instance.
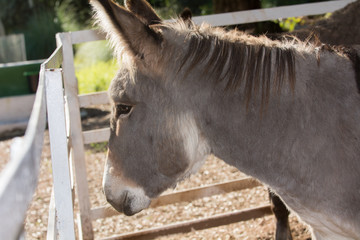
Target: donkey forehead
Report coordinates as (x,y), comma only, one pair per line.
(129,86)
(119,87)
(136,77)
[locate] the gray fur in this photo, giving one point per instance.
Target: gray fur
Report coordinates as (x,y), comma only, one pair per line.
(305,146)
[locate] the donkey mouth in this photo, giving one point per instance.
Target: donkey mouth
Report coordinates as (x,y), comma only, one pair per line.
(130,203)
(134,203)
(127,209)
(118,207)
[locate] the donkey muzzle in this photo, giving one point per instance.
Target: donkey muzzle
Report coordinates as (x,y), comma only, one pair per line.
(129,201)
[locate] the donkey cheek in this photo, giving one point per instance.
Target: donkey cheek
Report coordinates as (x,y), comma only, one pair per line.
(172,165)
(171,169)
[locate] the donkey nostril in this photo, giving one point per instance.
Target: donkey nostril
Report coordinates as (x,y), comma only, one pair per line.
(114,204)
(125,196)
(110,200)
(117,203)
(127,209)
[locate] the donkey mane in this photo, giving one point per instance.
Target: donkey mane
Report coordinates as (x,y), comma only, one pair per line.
(217,50)
(262,65)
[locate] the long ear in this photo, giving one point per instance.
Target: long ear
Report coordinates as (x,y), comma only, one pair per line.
(186,14)
(126,30)
(143,10)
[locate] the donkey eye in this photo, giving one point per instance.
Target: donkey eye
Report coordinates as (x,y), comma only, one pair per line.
(122,109)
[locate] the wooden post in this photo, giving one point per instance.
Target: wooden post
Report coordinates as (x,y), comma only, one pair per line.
(59,155)
(75,137)
(51,228)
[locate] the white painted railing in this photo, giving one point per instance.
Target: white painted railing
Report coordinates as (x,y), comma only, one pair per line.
(18,180)
(266,14)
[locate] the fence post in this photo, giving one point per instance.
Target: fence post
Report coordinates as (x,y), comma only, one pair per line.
(59,155)
(76,138)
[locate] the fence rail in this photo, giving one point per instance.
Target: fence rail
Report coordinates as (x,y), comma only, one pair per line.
(266,14)
(19,178)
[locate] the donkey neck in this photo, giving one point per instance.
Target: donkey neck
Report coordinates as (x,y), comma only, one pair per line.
(260,143)
(231,79)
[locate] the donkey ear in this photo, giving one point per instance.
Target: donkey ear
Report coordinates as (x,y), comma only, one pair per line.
(186,14)
(143,10)
(126,30)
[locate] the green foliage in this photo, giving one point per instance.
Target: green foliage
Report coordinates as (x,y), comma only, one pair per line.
(172,8)
(74,15)
(40,33)
(90,53)
(38,22)
(41,19)
(199,7)
(15,14)
(96,77)
(95,66)
(289,24)
(99,147)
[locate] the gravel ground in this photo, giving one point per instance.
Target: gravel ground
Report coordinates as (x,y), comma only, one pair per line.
(213,171)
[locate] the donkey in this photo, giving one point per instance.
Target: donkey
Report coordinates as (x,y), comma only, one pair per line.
(285,112)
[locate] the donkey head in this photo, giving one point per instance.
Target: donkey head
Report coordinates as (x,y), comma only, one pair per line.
(155,140)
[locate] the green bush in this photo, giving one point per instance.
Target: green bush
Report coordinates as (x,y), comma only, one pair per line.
(74,15)
(95,66)
(40,34)
(96,77)
(98,147)
(89,53)
(289,24)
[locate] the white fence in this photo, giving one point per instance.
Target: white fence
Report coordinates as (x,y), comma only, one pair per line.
(18,180)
